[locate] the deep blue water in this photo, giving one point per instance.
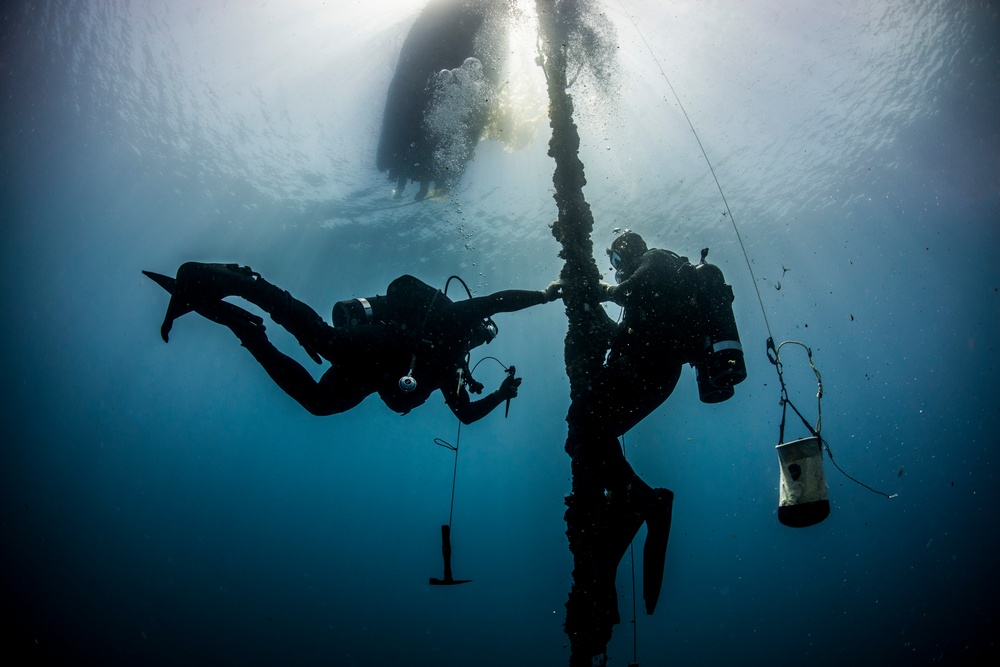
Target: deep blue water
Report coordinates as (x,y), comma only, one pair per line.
(167,505)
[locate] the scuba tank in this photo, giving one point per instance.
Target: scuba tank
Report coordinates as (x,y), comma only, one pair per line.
(352,312)
(719,355)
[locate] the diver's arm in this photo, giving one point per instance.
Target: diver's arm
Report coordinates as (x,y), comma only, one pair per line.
(469,411)
(505,301)
(634,283)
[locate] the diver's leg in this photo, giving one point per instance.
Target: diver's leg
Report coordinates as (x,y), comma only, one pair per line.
(285,371)
(599,457)
(342,388)
(245,325)
(199,284)
(343,345)
(655,383)
(397,192)
(337,390)
(623,393)
(631,502)
(422,192)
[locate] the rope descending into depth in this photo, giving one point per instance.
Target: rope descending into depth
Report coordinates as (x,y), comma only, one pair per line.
(589,621)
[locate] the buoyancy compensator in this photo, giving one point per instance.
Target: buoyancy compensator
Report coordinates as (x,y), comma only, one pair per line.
(406,307)
(719,360)
(406,304)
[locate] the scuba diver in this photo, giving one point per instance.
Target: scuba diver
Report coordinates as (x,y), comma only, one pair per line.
(672,314)
(403,346)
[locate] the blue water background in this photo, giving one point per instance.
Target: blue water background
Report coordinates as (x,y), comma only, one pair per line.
(168,505)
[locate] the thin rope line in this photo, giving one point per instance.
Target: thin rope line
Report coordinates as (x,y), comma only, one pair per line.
(635,616)
(454,475)
(704,153)
(454,471)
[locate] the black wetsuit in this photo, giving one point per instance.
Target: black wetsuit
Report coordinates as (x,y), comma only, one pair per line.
(647,351)
(610,501)
(427,339)
(649,347)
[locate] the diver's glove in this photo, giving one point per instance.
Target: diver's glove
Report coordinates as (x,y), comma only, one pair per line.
(508,388)
(553,291)
(604,291)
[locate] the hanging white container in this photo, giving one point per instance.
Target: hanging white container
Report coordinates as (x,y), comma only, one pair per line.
(803,491)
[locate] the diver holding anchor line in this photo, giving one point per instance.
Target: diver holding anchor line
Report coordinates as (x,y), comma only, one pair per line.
(403,346)
(674,313)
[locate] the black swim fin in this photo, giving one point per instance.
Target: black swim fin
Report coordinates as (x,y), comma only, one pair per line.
(214,307)
(166,282)
(654,553)
(242,323)
(176,308)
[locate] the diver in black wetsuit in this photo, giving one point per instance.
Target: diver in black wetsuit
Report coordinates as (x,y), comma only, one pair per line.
(656,337)
(414,340)
(674,313)
(646,353)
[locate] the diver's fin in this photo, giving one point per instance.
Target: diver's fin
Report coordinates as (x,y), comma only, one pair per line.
(175,308)
(654,552)
(166,282)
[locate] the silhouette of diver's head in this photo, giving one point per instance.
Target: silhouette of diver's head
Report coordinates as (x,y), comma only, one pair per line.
(483,332)
(625,253)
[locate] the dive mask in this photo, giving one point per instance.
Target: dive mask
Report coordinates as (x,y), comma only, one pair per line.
(616,259)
